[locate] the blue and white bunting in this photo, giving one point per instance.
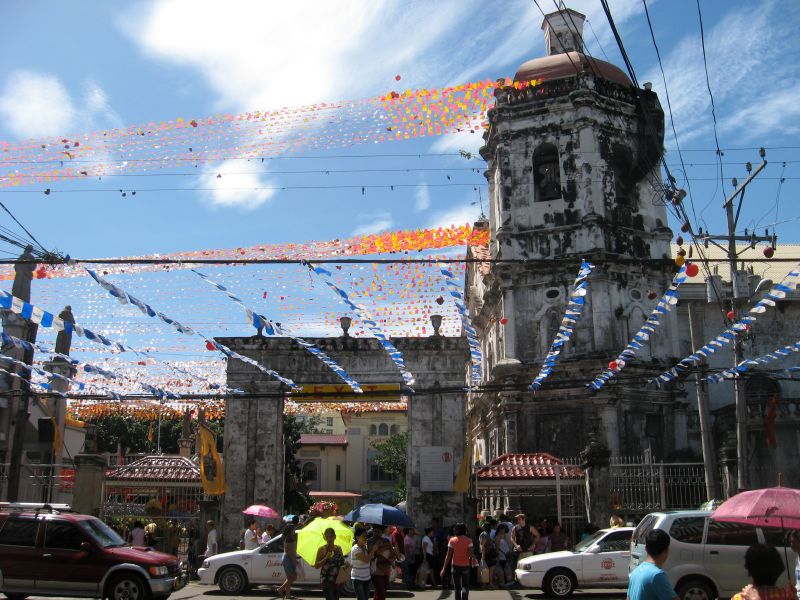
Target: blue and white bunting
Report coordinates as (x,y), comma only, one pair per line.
(369,322)
(260,322)
(777,293)
(476,357)
(45,386)
(577,300)
(125,298)
(665,304)
(747,364)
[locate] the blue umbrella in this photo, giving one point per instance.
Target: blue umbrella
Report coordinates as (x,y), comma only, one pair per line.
(379,514)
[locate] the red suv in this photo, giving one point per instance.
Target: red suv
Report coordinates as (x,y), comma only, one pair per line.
(50,551)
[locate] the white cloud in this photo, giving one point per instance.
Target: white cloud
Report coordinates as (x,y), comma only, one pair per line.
(422,197)
(235,189)
(780,111)
(455,142)
(36,105)
(377,222)
(456,215)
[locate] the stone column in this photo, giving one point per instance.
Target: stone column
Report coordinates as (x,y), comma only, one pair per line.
(253,455)
(610,420)
(596,464)
(679,418)
(87,491)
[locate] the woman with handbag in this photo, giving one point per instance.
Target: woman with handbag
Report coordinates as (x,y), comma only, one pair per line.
(330,561)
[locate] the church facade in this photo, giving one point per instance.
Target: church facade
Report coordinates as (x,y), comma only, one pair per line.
(573,169)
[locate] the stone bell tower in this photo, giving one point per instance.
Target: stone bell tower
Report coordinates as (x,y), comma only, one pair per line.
(573,172)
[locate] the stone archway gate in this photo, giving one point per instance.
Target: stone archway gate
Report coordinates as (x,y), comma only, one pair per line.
(253,450)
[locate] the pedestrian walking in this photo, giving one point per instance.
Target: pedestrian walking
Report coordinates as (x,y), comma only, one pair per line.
(137,536)
(290,558)
(503,551)
(648,581)
(250,537)
(211,539)
(488,556)
(383,554)
(764,565)
(360,561)
(461,555)
(329,561)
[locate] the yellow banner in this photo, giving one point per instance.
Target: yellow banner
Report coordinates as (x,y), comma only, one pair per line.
(335,392)
(212,471)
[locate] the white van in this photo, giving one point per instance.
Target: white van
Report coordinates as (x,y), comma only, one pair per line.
(706,558)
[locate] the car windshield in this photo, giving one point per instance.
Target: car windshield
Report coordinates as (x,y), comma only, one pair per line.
(101,533)
(584,545)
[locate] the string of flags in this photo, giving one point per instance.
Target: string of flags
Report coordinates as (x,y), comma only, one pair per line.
(664,305)
(262,323)
(776,293)
(577,300)
(745,365)
(476,358)
(41,384)
(42,372)
(369,322)
(125,298)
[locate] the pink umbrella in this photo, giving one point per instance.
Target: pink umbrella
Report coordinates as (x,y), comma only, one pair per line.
(260,510)
(768,507)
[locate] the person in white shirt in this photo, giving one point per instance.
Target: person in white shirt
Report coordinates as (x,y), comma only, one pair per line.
(211,540)
(360,558)
(250,536)
(268,533)
(136,537)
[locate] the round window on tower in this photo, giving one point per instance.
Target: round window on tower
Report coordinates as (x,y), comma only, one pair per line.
(635,294)
(552,293)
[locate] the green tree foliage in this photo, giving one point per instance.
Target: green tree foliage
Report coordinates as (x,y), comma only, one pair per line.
(295,495)
(392,456)
(131,434)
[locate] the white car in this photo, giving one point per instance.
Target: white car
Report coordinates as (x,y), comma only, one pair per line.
(599,561)
(235,572)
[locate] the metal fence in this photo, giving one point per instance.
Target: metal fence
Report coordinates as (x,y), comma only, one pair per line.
(41,482)
(640,485)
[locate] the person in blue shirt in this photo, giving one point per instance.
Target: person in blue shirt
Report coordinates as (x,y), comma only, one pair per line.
(648,581)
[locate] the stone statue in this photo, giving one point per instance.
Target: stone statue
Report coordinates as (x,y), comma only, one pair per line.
(24,274)
(186,426)
(64,338)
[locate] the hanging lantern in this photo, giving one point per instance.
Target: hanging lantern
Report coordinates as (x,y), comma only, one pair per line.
(679,240)
(769,251)
(692,270)
(679,260)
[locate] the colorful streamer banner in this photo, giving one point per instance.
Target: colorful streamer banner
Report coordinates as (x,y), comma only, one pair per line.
(472,335)
(42,372)
(370,323)
(665,304)
(577,300)
(212,470)
(125,298)
(41,384)
(745,365)
(262,323)
(777,293)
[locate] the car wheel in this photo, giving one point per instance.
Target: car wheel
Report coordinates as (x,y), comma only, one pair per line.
(232,580)
(560,583)
(127,587)
(695,589)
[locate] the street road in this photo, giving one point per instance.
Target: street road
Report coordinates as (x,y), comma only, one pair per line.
(195,591)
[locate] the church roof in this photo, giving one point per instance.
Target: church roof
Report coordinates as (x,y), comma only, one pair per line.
(536,465)
(561,65)
(157,468)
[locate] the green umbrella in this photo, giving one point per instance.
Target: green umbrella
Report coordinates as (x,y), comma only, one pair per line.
(310,538)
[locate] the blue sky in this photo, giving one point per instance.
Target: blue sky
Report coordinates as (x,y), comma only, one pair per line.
(67,67)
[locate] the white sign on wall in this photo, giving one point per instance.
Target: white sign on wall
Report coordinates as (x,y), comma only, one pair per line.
(436,469)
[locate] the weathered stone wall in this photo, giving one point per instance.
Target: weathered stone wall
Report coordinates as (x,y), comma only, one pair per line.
(253,434)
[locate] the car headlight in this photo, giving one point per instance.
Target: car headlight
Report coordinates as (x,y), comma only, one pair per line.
(527,566)
(206,564)
(158,571)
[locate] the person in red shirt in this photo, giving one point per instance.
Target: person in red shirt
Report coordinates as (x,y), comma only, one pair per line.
(461,555)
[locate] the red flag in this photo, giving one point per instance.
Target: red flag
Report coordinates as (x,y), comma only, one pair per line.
(769,422)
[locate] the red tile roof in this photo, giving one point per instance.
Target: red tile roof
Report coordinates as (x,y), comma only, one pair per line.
(317,439)
(538,465)
(157,468)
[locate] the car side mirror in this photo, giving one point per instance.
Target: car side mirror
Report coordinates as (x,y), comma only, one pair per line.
(87,547)
(595,550)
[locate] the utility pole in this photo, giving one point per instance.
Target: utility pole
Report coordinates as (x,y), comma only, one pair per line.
(709,462)
(737,296)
